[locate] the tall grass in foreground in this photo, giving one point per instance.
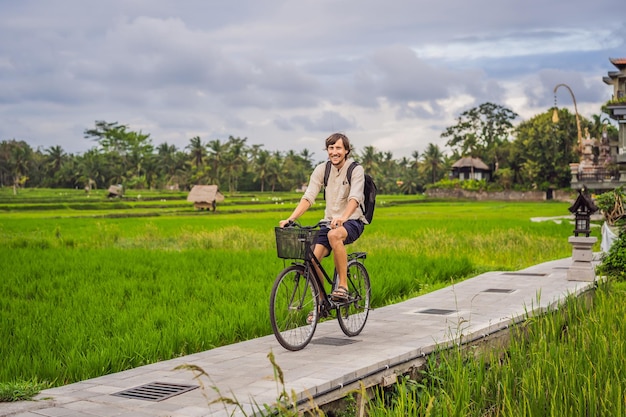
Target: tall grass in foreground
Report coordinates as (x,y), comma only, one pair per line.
(83,297)
(570,362)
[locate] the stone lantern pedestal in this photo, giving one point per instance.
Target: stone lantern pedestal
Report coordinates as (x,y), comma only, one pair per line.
(582,255)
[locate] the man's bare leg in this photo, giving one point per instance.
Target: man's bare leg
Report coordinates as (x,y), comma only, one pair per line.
(340,255)
(320,252)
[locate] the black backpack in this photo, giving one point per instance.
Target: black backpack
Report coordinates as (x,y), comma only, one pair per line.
(369,190)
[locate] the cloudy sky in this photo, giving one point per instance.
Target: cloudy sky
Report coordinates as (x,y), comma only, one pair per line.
(285,74)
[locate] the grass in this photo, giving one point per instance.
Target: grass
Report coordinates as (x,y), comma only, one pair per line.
(20,390)
(86,294)
(569,362)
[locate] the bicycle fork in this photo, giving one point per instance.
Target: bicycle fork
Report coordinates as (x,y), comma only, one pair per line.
(298,294)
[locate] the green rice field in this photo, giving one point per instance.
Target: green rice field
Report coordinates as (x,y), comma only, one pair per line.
(92,286)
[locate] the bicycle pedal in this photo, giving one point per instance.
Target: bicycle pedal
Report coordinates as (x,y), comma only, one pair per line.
(344,302)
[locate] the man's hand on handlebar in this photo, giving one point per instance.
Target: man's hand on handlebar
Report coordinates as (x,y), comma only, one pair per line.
(284,223)
(335,223)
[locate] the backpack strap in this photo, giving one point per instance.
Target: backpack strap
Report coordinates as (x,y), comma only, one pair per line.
(326,175)
(349,177)
(350,169)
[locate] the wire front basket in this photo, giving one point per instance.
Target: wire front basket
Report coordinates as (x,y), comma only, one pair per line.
(291,242)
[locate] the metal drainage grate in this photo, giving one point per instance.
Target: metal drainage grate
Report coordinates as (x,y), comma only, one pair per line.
(333,341)
(525,274)
(439,311)
(499,290)
(155,391)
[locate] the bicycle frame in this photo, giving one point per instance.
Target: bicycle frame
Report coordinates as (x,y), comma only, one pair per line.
(311,261)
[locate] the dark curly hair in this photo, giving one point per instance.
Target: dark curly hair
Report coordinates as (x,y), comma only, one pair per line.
(332,139)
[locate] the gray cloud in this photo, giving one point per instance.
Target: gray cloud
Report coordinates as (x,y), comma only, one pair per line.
(391,74)
(327,121)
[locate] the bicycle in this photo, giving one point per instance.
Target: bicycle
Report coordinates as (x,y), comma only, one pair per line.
(299,300)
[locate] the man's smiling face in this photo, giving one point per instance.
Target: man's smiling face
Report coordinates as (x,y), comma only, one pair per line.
(337,153)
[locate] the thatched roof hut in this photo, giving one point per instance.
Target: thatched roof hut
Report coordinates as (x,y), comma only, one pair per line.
(115,191)
(205,196)
(468,168)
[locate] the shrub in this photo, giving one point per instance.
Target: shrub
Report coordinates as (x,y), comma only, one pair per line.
(453,184)
(613,263)
(611,205)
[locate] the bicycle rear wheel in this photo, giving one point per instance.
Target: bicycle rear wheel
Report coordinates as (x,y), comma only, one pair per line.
(352,315)
(293,297)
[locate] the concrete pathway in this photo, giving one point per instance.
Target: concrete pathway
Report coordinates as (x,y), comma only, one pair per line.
(395,338)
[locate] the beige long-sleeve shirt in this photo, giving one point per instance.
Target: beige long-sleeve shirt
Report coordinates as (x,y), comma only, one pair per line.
(338,190)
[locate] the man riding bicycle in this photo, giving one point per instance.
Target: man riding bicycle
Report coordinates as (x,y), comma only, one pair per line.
(343,209)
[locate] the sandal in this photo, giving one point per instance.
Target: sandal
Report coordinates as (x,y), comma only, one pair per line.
(340,294)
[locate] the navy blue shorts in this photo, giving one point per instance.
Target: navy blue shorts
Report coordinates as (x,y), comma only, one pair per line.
(353,227)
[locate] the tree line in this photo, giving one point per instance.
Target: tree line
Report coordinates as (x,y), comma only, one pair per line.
(534,154)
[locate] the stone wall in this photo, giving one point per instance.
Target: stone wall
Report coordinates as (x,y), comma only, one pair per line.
(557,195)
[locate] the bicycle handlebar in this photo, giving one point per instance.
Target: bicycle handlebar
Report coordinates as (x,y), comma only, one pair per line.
(293,223)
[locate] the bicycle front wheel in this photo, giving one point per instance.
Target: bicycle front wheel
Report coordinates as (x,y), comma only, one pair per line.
(352,315)
(293,298)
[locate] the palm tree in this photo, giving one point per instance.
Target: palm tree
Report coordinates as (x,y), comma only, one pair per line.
(433,159)
(90,167)
(307,157)
(5,152)
(197,152)
(274,170)
(54,160)
(416,160)
(235,161)
(411,183)
(69,174)
(217,150)
(598,125)
(261,166)
(140,148)
(165,158)
(19,161)
(370,160)
(295,170)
